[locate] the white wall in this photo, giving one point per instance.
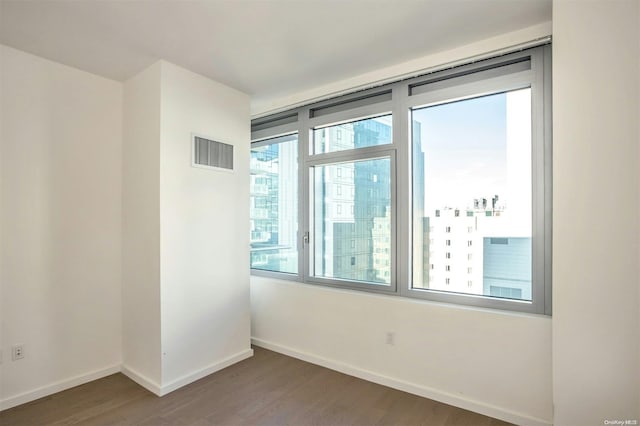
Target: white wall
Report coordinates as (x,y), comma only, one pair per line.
(92,280)
(186,230)
(61,226)
(141,228)
(596,329)
(204,229)
(265,105)
(487,361)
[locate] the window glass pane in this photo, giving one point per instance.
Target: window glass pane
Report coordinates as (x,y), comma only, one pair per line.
(472,196)
(356,134)
(352,238)
(274,205)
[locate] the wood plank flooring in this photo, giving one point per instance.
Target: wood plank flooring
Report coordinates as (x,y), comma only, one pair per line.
(267,389)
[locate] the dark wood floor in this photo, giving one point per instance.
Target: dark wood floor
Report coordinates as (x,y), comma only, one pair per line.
(267,389)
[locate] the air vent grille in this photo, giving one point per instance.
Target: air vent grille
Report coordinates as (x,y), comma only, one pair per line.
(210,153)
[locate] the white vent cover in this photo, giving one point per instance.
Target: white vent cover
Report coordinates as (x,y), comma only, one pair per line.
(212,154)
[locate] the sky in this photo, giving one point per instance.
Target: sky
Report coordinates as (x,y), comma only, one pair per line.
(465,150)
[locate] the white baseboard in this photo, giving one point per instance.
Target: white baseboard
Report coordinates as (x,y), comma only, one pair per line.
(416,389)
(424,391)
(203,372)
(142,380)
(61,385)
(159,390)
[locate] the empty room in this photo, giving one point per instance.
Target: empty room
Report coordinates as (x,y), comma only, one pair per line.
(320,212)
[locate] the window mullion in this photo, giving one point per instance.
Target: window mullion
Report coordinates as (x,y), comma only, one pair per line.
(304,206)
(402,140)
(351,155)
(539,171)
(548,177)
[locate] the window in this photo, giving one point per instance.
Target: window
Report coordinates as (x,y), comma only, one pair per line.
(357,134)
(468,147)
(479,146)
(274,205)
(369,226)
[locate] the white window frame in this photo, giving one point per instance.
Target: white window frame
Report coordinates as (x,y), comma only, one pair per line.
(356,113)
(467,82)
(486,76)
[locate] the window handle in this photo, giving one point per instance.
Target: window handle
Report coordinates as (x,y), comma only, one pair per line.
(305,238)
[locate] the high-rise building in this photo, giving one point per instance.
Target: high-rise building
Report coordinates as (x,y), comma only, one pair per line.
(273,211)
(466,251)
(357,199)
(507,267)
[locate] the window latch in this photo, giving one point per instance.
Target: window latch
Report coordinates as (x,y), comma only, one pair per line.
(305,238)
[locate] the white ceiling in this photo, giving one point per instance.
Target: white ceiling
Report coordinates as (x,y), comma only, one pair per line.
(265,48)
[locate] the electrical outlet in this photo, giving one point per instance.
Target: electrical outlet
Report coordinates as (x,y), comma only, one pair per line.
(391,338)
(17,352)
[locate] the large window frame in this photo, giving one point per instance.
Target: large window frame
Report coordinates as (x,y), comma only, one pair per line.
(529,67)
(361,154)
(262,132)
(280,142)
